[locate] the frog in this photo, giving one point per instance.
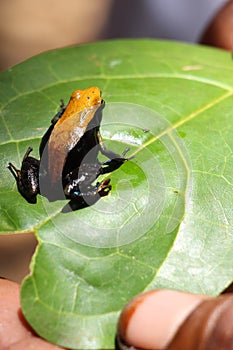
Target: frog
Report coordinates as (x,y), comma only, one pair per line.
(69,150)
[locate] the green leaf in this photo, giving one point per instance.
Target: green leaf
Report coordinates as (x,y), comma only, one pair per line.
(167,222)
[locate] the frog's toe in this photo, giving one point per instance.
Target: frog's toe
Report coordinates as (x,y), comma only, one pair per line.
(104,187)
(126,150)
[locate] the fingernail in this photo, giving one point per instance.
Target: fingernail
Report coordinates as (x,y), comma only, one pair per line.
(151,319)
(209,326)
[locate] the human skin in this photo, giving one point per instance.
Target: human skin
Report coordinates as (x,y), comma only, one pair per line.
(173,320)
(15,333)
(159,319)
(219,32)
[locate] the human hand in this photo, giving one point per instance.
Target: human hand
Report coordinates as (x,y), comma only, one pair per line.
(150,321)
(15,333)
(172,320)
(220,30)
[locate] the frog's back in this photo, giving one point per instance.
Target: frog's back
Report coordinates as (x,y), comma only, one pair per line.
(70,129)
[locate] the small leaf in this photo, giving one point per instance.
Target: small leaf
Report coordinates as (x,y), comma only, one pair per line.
(167,222)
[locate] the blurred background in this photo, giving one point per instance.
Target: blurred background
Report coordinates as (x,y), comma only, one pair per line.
(28,27)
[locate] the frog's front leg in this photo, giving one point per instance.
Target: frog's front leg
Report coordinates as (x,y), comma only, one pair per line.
(115,159)
(46,136)
(59,114)
(105,151)
(27,178)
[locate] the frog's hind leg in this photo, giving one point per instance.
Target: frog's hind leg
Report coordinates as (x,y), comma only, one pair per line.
(27,178)
(17,172)
(14,171)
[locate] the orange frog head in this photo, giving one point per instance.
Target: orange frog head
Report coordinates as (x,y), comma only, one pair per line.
(81,100)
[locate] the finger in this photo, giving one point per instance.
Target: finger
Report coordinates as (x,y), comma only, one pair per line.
(33,343)
(220,30)
(12,328)
(208,327)
(15,333)
(151,320)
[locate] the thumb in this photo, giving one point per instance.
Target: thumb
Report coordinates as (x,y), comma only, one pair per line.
(175,320)
(220,30)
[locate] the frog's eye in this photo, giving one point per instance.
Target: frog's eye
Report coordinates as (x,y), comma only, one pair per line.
(88,97)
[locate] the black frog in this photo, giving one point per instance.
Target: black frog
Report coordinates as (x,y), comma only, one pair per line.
(69,150)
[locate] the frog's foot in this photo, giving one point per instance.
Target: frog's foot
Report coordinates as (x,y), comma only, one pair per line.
(14,171)
(115,163)
(28,151)
(103,188)
(80,200)
(126,150)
